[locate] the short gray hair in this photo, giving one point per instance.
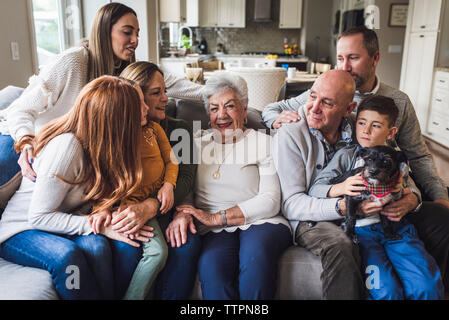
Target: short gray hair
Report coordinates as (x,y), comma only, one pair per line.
(222,81)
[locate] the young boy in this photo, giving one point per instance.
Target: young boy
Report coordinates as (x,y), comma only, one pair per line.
(398,269)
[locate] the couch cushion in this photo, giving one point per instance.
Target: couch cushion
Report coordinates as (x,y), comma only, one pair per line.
(298,276)
(24,283)
(191,110)
(8,95)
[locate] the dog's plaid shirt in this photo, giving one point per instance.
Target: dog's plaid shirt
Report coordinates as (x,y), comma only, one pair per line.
(330,150)
(380,190)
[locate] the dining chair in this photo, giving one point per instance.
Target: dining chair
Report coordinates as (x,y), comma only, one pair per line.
(264,84)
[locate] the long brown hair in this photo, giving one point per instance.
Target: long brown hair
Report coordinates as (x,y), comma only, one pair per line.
(106,120)
(101,55)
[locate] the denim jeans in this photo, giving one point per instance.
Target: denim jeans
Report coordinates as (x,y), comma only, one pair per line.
(242,264)
(176,280)
(8,159)
(81,267)
(402,269)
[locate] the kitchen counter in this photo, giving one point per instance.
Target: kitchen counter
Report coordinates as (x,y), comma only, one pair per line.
(177,64)
(444,69)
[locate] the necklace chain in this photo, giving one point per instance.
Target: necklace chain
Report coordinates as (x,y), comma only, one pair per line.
(216,175)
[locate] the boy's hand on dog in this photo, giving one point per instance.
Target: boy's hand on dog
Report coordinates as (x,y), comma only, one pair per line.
(398,209)
(350,187)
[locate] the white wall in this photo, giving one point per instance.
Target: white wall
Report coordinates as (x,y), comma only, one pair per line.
(146,13)
(15,27)
(389,68)
(317,23)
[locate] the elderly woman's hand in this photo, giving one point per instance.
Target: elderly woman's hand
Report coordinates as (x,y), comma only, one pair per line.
(176,232)
(131,218)
(205,218)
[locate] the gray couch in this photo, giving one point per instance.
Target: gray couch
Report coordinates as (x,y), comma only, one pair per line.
(299,270)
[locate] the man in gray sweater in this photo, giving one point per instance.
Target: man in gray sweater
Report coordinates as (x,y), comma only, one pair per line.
(300,151)
(358,54)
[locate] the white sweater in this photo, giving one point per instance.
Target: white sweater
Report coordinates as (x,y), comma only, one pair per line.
(248,179)
(47,204)
(53,92)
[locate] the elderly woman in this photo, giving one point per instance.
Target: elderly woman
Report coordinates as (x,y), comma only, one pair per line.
(236,200)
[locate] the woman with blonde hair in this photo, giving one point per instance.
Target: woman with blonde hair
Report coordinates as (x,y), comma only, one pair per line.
(91,154)
(111,47)
(151,81)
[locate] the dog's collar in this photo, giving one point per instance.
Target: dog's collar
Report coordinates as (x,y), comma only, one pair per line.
(381,190)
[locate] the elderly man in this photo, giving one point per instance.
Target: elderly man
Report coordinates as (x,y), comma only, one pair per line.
(358,54)
(300,151)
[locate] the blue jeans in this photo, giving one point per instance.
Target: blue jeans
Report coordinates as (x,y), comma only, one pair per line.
(81,267)
(242,264)
(176,280)
(8,159)
(405,269)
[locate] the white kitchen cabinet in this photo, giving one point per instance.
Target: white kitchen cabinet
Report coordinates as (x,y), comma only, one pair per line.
(426,15)
(419,70)
(185,12)
(208,13)
(223,13)
(290,16)
(438,124)
(418,61)
(231,13)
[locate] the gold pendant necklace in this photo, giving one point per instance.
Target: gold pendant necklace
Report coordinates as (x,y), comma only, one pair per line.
(216,175)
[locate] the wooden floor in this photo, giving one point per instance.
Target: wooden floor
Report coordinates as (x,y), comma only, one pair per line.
(441,158)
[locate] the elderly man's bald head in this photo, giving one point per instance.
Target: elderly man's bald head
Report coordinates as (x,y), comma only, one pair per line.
(330,100)
(341,82)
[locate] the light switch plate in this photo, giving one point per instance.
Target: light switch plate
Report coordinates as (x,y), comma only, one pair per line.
(394,48)
(15,51)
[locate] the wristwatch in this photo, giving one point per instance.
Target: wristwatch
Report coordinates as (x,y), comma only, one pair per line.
(418,207)
(223,218)
(337,207)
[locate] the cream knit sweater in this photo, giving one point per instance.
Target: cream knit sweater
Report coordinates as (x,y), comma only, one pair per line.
(48,204)
(248,179)
(53,92)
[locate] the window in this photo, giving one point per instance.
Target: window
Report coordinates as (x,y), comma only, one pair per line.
(57,24)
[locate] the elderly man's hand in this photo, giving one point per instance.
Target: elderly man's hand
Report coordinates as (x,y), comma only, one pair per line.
(286,116)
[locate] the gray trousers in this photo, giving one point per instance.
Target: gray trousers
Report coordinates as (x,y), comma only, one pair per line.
(341,277)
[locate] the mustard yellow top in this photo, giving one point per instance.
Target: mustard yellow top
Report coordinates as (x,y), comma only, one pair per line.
(157,163)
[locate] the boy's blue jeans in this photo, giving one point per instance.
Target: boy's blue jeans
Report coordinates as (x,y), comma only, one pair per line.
(82,267)
(398,269)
